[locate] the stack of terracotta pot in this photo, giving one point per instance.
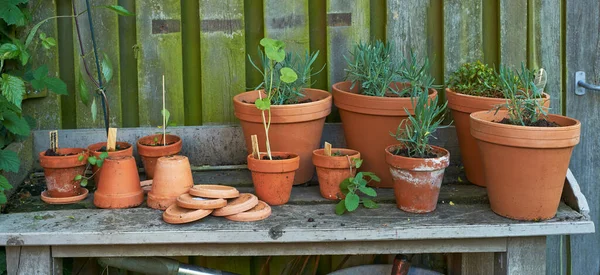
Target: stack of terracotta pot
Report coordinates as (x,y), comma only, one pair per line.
(204,200)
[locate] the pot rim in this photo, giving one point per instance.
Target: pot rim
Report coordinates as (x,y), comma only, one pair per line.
(418,164)
(471,103)
(274,166)
(159,151)
(236,98)
(94,147)
(319,159)
(64,161)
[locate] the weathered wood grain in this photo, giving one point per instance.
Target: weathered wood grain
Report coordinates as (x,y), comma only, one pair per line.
(29,260)
(513,32)
(582,48)
(407,27)
(222,43)
(477,263)
(159,53)
(463,37)
(287,20)
(525,256)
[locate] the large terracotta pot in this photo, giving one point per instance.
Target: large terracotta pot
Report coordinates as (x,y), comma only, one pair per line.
(60,171)
(150,153)
(332,170)
(118,184)
(93,150)
(273,179)
(525,167)
(173,177)
(294,128)
(368,122)
(417,181)
(462,106)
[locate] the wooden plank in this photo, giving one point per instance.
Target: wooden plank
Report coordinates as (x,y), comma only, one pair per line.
(287,20)
(582,47)
(106,25)
(347,24)
(513,32)
(477,263)
(159,53)
(223,58)
(45,110)
(23,260)
(407,27)
(526,256)
(463,38)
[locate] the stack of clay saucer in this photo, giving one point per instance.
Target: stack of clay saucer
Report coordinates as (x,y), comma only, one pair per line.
(218,200)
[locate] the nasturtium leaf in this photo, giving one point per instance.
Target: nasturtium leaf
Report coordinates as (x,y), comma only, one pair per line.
(288,75)
(274,49)
(118,9)
(351,201)
(78,177)
(357,162)
(83,90)
(263,104)
(4,183)
(370,204)
(80,158)
(92,160)
(340,208)
(103,155)
(84,182)
(9,161)
(368,191)
(94,110)
(99,163)
(107,69)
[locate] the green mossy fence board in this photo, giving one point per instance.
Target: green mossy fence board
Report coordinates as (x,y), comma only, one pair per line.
(46,109)
(106,25)
(128,67)
(159,53)
(463,39)
(287,20)
(192,75)
(513,32)
(222,43)
(407,27)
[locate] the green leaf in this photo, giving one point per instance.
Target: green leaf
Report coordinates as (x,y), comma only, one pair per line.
(368,191)
(103,155)
(84,182)
(274,49)
(340,208)
(34,30)
(11,13)
(46,45)
(50,41)
(42,35)
(13,88)
(118,9)
(357,162)
(370,204)
(78,177)
(263,104)
(351,201)
(83,90)
(9,51)
(288,75)
(16,124)
(3,199)
(92,160)
(107,69)
(99,163)
(372,176)
(56,85)
(4,183)
(94,110)
(166,114)
(80,158)
(41,72)
(345,183)
(9,161)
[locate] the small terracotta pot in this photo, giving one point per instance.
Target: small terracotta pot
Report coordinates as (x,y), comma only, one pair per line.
(332,170)
(173,177)
(60,171)
(118,184)
(417,181)
(294,128)
(93,151)
(273,179)
(525,167)
(150,154)
(462,106)
(367,123)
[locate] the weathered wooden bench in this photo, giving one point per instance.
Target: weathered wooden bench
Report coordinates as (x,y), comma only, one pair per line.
(38,236)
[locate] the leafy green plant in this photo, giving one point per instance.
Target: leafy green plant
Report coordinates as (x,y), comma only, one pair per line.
(414,133)
(476,79)
(275,55)
(91,161)
(353,186)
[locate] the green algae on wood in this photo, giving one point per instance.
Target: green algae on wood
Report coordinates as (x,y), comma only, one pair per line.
(407,27)
(513,32)
(223,49)
(128,67)
(159,53)
(463,38)
(287,20)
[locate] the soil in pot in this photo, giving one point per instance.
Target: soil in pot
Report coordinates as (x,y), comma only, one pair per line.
(367,123)
(332,170)
(530,188)
(273,179)
(295,128)
(417,181)
(60,169)
(123,149)
(150,150)
(173,177)
(118,184)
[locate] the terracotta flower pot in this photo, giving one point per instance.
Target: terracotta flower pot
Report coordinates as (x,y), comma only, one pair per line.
(118,184)
(462,106)
(60,171)
(294,128)
(525,167)
(173,177)
(417,181)
(93,151)
(367,123)
(331,170)
(151,153)
(273,179)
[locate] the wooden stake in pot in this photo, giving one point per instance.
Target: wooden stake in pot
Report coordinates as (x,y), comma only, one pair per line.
(53,140)
(163,112)
(111,141)
(327,149)
(255,148)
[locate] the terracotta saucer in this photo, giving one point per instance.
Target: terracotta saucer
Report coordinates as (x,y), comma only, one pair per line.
(244,202)
(260,212)
(177,215)
(214,191)
(66,200)
(146,186)
(187,201)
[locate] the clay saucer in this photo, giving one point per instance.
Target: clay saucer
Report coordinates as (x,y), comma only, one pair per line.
(66,200)
(146,186)
(244,202)
(214,191)
(260,212)
(177,215)
(187,201)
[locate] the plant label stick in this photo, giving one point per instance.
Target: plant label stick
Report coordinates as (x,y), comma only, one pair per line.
(255,149)
(53,140)
(111,141)
(327,149)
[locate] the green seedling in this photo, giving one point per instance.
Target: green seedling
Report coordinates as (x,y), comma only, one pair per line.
(353,186)
(91,161)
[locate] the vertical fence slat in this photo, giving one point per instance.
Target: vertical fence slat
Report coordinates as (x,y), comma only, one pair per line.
(407,26)
(287,20)
(107,39)
(513,32)
(128,67)
(463,39)
(46,110)
(159,52)
(223,58)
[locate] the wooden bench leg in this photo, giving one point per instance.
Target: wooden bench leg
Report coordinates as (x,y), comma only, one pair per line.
(31,260)
(523,256)
(473,263)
